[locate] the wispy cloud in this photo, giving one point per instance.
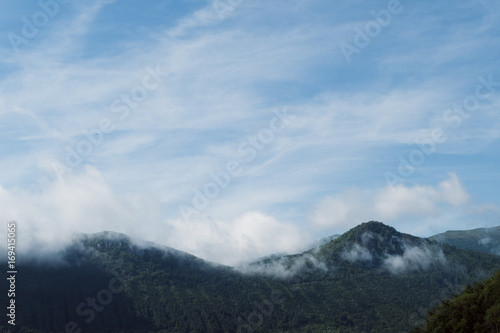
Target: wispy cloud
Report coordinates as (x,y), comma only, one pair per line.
(398,255)
(284,267)
(357,253)
(415,258)
(221,77)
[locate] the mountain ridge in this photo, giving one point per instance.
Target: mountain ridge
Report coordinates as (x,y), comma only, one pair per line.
(353,234)
(485,240)
(371,279)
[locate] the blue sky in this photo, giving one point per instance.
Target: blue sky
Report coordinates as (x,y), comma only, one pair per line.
(235,129)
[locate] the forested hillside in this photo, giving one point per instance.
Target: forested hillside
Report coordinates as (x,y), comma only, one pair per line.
(476,310)
(482,239)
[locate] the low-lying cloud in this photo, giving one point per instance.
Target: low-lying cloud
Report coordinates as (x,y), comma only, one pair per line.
(357,253)
(50,219)
(484,241)
(284,267)
(414,258)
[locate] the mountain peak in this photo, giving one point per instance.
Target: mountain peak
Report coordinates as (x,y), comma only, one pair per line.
(374,226)
(374,241)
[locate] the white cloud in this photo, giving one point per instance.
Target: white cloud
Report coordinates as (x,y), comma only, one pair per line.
(50,216)
(390,204)
(357,253)
(205,16)
(84,203)
(340,212)
(248,237)
(395,201)
(414,258)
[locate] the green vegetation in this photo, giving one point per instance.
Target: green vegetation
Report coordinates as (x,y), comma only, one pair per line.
(345,285)
(482,240)
(476,310)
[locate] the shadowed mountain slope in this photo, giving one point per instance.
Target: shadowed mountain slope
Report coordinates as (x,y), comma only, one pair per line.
(476,310)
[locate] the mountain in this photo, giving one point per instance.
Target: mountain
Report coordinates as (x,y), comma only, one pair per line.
(370,279)
(325,240)
(483,239)
(476,310)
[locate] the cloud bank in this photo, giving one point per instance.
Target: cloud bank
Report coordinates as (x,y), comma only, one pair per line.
(85,203)
(394,204)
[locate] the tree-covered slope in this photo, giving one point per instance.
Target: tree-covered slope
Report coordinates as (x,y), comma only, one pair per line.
(371,279)
(482,239)
(476,310)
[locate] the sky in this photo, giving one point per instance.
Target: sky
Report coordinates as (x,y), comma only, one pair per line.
(234,129)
